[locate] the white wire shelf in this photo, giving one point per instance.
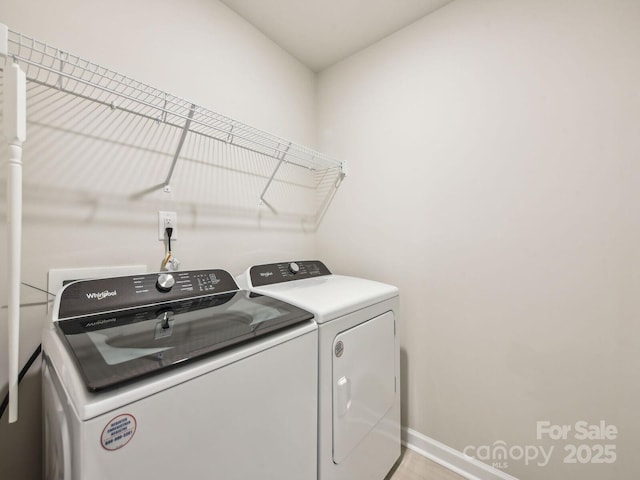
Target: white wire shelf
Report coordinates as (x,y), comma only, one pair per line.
(50,67)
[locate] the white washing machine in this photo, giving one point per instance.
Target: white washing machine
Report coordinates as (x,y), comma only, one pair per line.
(178,376)
(359,363)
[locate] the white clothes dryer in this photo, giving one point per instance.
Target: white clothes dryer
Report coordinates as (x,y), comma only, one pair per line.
(359,363)
(178,375)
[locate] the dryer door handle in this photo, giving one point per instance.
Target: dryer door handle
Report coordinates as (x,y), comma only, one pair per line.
(344,396)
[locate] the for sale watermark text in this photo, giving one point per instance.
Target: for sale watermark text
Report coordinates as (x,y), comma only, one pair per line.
(581,430)
(584,443)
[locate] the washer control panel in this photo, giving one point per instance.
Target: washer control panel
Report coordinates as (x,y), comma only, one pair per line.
(286,271)
(87,297)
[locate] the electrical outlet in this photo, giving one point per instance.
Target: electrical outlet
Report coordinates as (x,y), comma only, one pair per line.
(167,220)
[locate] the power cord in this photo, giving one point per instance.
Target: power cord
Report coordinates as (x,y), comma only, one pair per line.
(22,373)
(168,231)
(170,262)
(32,358)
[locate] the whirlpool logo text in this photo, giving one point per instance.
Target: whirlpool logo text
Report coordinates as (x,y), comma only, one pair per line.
(101,295)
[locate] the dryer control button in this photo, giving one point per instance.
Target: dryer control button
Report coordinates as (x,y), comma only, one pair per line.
(165,282)
(294,267)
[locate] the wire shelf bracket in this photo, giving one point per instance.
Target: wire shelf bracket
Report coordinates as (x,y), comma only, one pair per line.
(281,160)
(183,136)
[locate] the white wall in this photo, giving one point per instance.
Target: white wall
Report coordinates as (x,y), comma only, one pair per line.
(494,155)
(196,49)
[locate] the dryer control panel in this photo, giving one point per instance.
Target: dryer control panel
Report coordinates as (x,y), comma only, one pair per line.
(88,297)
(286,271)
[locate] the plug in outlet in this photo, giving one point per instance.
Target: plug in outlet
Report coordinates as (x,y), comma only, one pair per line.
(167,220)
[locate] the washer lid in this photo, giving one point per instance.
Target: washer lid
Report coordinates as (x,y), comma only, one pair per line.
(116,347)
(330,296)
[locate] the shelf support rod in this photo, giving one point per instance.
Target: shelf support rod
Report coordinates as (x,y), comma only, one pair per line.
(15,132)
(275,170)
(61,56)
(185,130)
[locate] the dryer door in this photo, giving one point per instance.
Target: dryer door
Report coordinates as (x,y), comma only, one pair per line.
(364,383)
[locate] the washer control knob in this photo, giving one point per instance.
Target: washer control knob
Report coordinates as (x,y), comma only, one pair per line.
(294,267)
(165,282)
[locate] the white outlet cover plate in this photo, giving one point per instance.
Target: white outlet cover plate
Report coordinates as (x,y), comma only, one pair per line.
(173,216)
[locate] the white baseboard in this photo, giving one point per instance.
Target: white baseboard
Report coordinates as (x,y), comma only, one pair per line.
(454,460)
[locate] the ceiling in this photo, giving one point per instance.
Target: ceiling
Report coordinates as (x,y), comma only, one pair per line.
(320,33)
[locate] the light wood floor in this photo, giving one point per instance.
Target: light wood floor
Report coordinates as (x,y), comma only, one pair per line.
(415,467)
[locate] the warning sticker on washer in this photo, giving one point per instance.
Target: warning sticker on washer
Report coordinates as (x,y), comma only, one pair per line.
(118,432)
